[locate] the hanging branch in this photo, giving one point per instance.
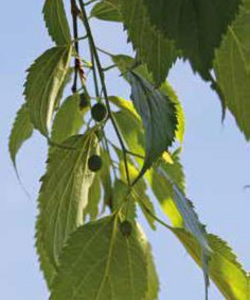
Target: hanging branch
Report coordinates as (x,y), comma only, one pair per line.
(103,84)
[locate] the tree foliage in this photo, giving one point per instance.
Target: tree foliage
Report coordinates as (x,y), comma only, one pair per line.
(89,242)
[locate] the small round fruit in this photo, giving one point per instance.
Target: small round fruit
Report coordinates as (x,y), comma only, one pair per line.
(126,228)
(95,163)
(99,112)
(83,101)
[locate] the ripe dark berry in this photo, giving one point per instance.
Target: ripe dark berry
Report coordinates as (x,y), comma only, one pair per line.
(99,112)
(95,163)
(83,101)
(126,228)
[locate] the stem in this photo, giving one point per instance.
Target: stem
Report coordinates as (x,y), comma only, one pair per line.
(127,151)
(76,43)
(108,68)
(135,154)
(152,215)
(102,79)
(89,2)
(79,39)
(97,94)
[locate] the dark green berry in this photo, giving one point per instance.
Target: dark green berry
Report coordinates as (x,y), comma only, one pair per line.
(126,228)
(99,112)
(94,163)
(83,101)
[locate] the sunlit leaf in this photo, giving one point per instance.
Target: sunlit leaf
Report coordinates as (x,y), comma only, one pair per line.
(68,120)
(47,267)
(105,177)
(124,201)
(158,114)
(22,130)
(64,192)
(106,11)
(56,21)
(125,63)
(224,269)
(94,197)
(193,225)
(232,69)
(132,131)
(153,48)
(153,281)
(44,81)
(99,262)
(163,189)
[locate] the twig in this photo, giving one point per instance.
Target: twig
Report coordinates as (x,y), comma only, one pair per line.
(74,13)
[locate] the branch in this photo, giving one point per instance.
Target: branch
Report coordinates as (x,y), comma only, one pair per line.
(103,84)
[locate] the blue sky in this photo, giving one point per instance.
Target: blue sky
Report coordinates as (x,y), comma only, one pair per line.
(216,159)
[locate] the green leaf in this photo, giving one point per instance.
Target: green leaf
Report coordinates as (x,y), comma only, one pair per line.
(122,196)
(224,269)
(99,262)
(125,63)
(153,281)
(68,120)
(163,188)
(56,22)
(47,268)
(105,177)
(188,23)
(138,192)
(64,192)
(92,208)
(152,47)
(158,114)
(43,85)
(106,11)
(22,130)
(193,225)
(174,170)
(167,89)
(232,69)
(132,131)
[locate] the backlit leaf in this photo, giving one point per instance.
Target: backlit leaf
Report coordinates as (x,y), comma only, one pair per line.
(153,281)
(163,189)
(152,47)
(106,11)
(94,197)
(99,262)
(22,130)
(224,269)
(64,192)
(68,120)
(47,267)
(56,22)
(125,63)
(44,81)
(158,114)
(232,69)
(132,131)
(193,225)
